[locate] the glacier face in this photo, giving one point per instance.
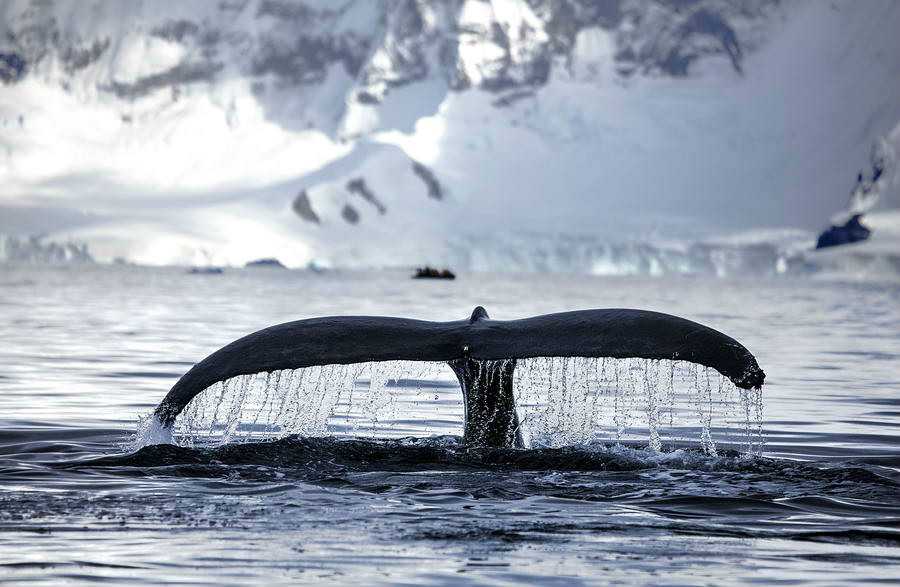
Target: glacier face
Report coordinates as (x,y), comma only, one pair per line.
(512,134)
(33,250)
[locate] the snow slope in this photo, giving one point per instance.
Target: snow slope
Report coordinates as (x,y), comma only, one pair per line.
(630,137)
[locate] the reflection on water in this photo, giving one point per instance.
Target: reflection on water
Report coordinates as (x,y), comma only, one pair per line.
(88,350)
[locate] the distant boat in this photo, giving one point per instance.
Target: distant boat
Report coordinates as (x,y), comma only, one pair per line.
(205,270)
(269,262)
(432,273)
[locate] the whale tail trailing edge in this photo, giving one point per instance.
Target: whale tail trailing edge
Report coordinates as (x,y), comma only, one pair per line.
(482,352)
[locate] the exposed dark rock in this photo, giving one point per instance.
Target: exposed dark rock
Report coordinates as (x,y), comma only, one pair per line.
(566,18)
(675,63)
(851,231)
(426,175)
(409,23)
(211,37)
(669,43)
(77,58)
(868,187)
(705,22)
(459,81)
(350,214)
(305,61)
(603,13)
(536,73)
(406,45)
(679,5)
(512,98)
(358,186)
(12,67)
(366,98)
(298,43)
(183,73)
(865,194)
(311,48)
(176,30)
(284,10)
(563,24)
(448,56)
(303,208)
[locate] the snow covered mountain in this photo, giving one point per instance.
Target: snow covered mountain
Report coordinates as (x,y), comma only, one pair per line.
(610,136)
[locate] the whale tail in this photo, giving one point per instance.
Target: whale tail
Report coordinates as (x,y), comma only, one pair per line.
(482,352)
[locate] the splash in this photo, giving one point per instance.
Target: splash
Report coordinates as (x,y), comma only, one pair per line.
(562,401)
(150,430)
(364,399)
(574,400)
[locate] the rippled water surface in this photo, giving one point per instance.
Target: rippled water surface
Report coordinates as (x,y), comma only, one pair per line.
(390,496)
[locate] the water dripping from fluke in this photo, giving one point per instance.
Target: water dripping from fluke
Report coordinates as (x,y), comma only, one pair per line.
(573,378)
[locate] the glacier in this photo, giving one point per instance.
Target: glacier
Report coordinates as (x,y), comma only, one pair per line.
(704,137)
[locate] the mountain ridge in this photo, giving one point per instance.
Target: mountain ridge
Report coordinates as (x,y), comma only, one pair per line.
(322,130)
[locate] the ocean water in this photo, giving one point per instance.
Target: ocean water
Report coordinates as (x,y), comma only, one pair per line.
(375,487)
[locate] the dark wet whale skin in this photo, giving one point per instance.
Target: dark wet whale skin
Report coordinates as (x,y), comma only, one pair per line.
(481,351)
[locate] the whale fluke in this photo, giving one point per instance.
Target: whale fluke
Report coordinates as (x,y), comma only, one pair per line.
(481,351)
